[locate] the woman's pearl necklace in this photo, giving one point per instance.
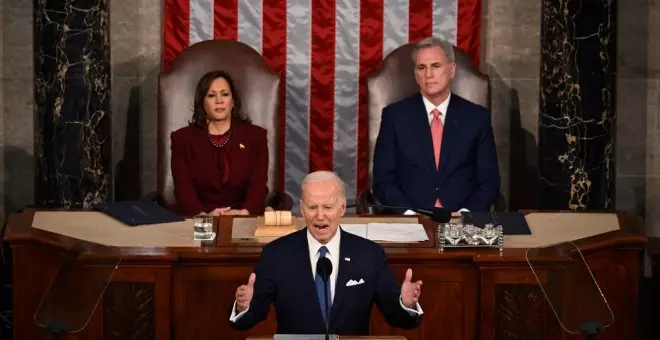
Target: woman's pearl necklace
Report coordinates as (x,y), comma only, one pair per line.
(223,143)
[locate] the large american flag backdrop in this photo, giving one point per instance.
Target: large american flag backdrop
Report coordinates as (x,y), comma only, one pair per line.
(323,50)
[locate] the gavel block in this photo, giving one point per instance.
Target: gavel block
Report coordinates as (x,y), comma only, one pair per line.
(276,224)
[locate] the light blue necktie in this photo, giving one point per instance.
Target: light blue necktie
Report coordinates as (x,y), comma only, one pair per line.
(320,292)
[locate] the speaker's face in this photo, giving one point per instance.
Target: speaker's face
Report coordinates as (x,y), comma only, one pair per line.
(322,205)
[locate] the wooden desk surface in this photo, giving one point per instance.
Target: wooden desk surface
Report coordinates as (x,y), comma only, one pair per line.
(234,234)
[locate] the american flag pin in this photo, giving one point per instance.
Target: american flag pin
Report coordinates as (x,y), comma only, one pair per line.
(241,146)
(347,259)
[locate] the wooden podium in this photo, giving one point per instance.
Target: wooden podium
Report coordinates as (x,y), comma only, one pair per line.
(171,287)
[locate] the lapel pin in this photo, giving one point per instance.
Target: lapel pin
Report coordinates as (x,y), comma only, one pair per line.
(347,259)
(241,146)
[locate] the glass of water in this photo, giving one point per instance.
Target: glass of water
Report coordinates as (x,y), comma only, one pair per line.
(203,227)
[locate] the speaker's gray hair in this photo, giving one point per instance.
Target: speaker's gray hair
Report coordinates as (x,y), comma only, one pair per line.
(321,176)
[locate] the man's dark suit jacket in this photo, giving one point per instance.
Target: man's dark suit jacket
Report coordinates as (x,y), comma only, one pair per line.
(284,277)
(197,176)
(404,171)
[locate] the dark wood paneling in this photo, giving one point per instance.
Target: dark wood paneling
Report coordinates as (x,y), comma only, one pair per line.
(128,312)
(34,267)
(618,275)
(520,312)
(211,289)
(448,300)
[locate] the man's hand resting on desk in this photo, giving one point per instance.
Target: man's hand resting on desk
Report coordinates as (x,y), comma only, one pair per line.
(244,294)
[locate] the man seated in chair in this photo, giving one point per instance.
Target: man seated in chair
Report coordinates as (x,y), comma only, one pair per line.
(435,149)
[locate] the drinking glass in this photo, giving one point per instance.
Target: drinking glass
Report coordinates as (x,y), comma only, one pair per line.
(203,227)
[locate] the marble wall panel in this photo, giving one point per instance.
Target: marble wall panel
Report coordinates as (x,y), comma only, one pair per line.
(72,90)
(577,108)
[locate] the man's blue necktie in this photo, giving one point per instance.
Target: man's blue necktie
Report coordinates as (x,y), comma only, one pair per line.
(320,292)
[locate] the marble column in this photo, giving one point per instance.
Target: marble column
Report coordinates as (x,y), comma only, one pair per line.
(72,97)
(577,109)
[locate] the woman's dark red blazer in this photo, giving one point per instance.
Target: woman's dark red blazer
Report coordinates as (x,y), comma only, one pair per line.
(197,176)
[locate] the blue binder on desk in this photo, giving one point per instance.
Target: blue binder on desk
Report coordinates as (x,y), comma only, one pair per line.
(512,222)
(135,213)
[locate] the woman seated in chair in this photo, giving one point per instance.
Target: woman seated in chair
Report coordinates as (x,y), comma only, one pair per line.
(219,161)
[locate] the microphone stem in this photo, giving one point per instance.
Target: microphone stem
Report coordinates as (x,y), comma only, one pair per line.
(327,307)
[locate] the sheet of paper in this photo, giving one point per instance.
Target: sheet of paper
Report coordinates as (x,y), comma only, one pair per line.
(396,232)
(355,229)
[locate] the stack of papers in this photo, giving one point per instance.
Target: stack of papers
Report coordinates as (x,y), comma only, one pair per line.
(355,229)
(388,232)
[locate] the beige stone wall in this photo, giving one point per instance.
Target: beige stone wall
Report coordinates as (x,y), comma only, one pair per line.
(16,106)
(638,126)
(511,48)
(135,48)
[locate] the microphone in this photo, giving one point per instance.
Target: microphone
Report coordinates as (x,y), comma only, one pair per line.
(324,269)
(440,215)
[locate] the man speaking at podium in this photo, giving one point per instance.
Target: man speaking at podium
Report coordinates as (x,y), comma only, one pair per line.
(286,274)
